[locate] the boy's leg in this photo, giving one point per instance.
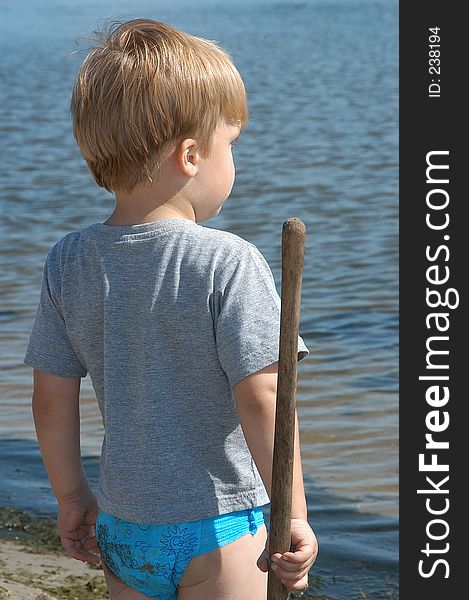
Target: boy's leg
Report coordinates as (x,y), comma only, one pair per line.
(229,572)
(118,590)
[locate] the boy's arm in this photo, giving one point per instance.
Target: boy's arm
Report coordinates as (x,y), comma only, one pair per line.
(55,405)
(255,398)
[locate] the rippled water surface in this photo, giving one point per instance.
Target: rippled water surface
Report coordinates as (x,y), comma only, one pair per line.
(322,146)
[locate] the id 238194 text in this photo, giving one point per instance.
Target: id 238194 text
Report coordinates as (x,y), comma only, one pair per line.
(434,62)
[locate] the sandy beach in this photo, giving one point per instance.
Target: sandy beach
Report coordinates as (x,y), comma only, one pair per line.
(29,575)
(34,566)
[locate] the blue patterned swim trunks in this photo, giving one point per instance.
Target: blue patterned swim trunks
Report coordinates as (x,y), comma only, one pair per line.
(153,558)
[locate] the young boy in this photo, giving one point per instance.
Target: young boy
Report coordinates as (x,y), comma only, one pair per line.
(177,325)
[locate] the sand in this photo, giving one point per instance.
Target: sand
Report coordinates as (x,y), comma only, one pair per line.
(28,575)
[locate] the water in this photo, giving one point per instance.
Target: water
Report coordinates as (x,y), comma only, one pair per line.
(321,145)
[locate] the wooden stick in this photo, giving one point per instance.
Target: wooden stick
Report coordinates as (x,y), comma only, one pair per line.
(293,247)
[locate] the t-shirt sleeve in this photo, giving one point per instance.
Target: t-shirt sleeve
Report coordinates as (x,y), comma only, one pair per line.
(248,322)
(49,347)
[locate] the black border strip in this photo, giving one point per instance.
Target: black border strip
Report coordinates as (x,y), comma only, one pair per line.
(433,258)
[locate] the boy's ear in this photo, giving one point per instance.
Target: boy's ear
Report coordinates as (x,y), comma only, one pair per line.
(187,157)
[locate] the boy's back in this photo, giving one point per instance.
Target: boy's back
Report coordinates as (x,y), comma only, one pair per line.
(178,326)
(167,317)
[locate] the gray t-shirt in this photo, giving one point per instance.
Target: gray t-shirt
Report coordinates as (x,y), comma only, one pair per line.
(166,317)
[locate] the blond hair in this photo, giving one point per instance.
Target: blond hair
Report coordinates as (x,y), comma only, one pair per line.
(145,87)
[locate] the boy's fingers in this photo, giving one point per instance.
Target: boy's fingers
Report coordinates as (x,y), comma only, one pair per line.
(293,567)
(294,558)
(263,562)
(297,569)
(263,565)
(298,558)
(81,555)
(290,575)
(297,586)
(301,555)
(89,543)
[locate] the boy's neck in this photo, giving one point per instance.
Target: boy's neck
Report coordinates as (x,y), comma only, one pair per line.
(140,206)
(120,217)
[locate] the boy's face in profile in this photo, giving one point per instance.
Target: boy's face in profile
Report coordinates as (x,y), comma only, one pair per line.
(216,174)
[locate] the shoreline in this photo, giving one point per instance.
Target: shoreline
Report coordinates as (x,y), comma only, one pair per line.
(34,566)
(27,575)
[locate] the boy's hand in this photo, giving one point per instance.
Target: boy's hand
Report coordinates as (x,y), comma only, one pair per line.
(76,523)
(292,567)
